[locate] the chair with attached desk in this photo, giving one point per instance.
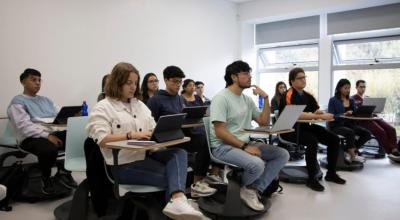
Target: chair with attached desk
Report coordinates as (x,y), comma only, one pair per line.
(226,202)
(296,173)
(9,141)
(341,164)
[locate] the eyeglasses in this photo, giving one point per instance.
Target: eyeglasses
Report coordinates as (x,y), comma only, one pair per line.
(301,78)
(153,81)
(175,81)
(362,87)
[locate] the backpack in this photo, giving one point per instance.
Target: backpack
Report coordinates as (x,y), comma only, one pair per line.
(272,187)
(32,187)
(13,178)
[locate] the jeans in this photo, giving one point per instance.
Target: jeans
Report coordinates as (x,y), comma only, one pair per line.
(164,168)
(258,172)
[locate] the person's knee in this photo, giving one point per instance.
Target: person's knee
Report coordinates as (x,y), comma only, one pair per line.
(255,166)
(283,154)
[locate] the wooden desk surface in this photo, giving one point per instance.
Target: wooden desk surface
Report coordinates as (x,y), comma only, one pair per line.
(123,145)
(267,132)
(192,125)
(360,118)
(312,121)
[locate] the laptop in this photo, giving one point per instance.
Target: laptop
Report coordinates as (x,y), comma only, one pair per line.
(378,102)
(195,114)
(168,128)
(62,116)
(364,111)
(286,119)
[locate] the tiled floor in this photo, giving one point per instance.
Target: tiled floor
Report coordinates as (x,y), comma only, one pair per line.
(372,193)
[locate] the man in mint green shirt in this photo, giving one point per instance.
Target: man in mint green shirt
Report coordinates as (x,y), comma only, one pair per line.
(231,112)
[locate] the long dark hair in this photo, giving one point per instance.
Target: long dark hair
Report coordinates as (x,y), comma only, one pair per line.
(277,95)
(145,88)
(340,84)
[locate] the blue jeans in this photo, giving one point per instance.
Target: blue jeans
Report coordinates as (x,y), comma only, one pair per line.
(166,168)
(258,172)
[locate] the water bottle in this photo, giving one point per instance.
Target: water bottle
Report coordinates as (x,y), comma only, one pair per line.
(84,109)
(260,102)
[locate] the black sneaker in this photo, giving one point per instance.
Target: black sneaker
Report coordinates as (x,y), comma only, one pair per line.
(48,186)
(66,179)
(333,177)
(315,185)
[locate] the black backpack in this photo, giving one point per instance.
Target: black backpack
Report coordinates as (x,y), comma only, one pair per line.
(272,187)
(13,178)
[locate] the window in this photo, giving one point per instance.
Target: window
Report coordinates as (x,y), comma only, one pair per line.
(367,51)
(289,57)
(274,65)
(377,61)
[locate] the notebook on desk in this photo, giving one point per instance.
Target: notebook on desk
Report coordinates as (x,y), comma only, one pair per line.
(379,103)
(168,128)
(286,120)
(195,114)
(364,111)
(62,116)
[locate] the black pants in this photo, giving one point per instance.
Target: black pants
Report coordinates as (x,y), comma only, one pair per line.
(45,151)
(310,136)
(350,133)
(198,144)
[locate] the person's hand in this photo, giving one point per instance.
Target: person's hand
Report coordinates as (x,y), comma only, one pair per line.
(253,150)
(326,116)
(348,113)
(258,91)
(319,112)
(140,135)
(55,140)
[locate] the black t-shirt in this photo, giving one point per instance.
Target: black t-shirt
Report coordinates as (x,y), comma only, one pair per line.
(292,97)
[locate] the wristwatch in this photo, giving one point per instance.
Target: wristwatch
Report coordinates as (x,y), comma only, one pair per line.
(244,145)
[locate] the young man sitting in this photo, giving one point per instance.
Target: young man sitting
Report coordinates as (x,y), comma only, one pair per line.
(24,111)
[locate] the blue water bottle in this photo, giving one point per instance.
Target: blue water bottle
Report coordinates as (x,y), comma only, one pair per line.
(84,109)
(260,102)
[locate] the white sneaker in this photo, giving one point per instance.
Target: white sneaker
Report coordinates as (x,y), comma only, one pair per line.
(214,179)
(250,197)
(358,159)
(347,157)
(3,192)
(201,189)
(179,208)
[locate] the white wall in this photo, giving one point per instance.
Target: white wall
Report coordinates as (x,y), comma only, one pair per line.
(75,42)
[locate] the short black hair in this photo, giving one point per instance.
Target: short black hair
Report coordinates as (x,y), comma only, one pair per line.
(29,72)
(198,83)
(293,74)
(359,81)
(172,72)
(235,68)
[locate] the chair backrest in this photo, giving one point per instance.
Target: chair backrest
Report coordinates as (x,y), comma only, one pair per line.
(207,124)
(8,139)
(74,144)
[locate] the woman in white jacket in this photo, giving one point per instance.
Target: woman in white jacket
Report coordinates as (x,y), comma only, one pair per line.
(121,116)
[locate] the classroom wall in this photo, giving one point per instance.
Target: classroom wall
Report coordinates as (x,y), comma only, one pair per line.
(75,42)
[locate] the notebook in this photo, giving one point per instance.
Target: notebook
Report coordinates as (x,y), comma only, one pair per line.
(62,116)
(195,114)
(378,102)
(286,120)
(364,111)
